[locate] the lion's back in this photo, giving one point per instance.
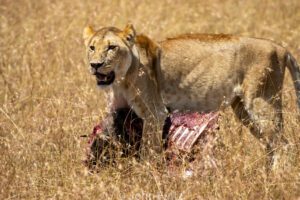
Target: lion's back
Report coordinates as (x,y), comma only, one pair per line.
(200,71)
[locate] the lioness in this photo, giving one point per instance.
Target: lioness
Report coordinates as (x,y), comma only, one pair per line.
(196,72)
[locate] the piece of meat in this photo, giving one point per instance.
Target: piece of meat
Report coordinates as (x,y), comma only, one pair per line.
(182,133)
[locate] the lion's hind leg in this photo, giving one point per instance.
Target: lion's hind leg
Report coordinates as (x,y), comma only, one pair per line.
(260,105)
(264,121)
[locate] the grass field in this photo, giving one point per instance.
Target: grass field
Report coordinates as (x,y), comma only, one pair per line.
(48,99)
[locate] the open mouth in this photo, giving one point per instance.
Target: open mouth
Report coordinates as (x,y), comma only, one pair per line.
(105,79)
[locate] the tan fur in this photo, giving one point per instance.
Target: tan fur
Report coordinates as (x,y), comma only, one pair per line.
(136,65)
(207,72)
(203,72)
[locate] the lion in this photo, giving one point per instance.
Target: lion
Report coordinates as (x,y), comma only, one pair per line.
(195,72)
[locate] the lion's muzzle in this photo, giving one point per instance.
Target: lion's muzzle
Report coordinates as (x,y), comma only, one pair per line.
(95,67)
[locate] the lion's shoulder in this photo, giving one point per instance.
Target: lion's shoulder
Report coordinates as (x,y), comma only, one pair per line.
(144,42)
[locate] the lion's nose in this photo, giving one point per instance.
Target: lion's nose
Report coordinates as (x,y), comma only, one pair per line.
(96,65)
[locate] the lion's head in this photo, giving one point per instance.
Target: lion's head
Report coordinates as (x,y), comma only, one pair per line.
(110,52)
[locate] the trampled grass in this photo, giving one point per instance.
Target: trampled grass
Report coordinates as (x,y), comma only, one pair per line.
(48,99)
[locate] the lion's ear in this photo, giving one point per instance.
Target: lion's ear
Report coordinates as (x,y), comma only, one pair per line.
(129,33)
(88,32)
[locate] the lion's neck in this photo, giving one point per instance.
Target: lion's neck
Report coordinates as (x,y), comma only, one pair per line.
(135,53)
(115,100)
(132,72)
(117,96)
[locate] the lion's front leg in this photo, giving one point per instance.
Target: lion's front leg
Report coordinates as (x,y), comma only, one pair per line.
(154,117)
(152,140)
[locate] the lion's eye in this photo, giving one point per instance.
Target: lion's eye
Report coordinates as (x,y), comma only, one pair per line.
(111,47)
(92,48)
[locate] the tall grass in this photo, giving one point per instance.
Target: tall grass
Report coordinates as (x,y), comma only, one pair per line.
(48,99)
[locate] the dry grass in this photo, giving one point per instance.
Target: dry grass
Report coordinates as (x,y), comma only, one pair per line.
(48,99)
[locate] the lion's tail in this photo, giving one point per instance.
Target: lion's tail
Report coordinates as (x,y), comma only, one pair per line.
(295,73)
